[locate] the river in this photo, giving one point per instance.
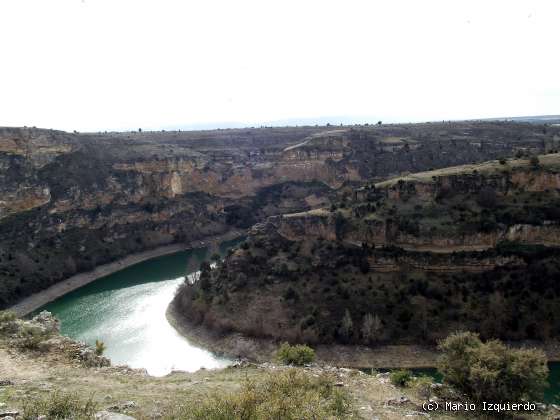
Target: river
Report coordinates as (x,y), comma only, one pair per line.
(126,310)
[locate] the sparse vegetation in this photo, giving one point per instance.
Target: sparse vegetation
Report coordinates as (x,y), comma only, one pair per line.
(287,395)
(59,405)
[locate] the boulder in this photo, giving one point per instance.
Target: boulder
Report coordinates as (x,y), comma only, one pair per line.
(90,359)
(47,322)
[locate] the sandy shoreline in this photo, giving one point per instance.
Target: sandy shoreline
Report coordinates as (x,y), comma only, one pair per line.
(36,300)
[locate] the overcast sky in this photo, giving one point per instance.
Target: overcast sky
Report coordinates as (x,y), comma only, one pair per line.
(112,64)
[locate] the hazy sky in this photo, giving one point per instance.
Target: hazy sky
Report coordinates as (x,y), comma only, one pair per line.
(112,64)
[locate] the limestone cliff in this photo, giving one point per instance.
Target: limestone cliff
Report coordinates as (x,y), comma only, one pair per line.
(71,201)
(470,207)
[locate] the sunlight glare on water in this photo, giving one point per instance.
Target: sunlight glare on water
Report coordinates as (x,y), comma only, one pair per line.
(126,310)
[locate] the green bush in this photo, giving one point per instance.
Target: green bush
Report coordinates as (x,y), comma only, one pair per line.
(492,371)
(58,405)
(298,355)
(99,347)
(400,377)
(288,395)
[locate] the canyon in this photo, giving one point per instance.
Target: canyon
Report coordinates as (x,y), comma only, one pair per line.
(70,202)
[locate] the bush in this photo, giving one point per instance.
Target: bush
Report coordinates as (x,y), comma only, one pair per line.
(99,347)
(400,377)
(491,371)
(487,197)
(8,323)
(60,406)
(7,316)
(423,386)
(288,395)
(298,354)
(30,337)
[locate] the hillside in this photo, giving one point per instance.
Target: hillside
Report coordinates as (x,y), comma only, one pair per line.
(70,202)
(404,261)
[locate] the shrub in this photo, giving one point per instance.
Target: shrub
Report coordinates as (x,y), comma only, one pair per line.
(7,316)
(8,323)
(99,347)
(30,337)
(491,371)
(400,377)
(59,405)
(423,386)
(298,355)
(288,395)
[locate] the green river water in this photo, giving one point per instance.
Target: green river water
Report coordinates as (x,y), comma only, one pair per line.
(126,310)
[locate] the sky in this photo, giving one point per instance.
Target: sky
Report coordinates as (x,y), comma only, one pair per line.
(92,65)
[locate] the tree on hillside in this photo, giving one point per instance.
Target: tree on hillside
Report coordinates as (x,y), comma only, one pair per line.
(535,162)
(420,305)
(371,328)
(346,326)
(487,197)
(205,274)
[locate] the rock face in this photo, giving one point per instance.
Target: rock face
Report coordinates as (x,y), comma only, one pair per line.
(481,205)
(69,202)
(47,322)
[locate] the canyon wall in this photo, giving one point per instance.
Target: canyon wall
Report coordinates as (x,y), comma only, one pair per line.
(71,201)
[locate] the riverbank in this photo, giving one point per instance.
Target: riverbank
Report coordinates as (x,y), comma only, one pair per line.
(36,300)
(236,345)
